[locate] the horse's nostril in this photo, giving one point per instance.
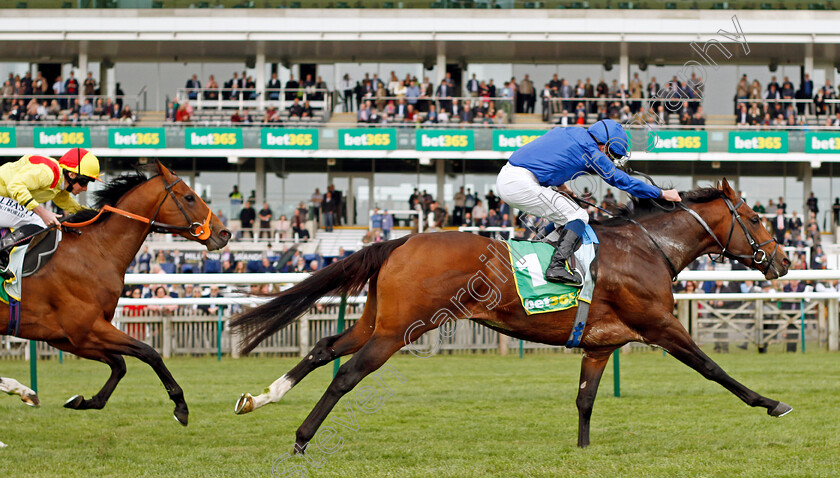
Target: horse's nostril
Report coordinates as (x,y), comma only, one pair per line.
(225,234)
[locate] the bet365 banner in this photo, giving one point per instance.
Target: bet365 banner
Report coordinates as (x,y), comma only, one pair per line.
(136,138)
(289,138)
(679,142)
(758,142)
(511,140)
(55,137)
(445,140)
(213,138)
(8,139)
(367,138)
(822,142)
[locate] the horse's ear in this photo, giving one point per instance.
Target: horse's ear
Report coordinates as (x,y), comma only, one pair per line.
(161,169)
(727,189)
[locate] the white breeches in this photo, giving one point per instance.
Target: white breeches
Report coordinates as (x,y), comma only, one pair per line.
(519,188)
(13,215)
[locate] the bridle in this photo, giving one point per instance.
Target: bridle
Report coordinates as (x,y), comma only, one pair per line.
(759,255)
(199,230)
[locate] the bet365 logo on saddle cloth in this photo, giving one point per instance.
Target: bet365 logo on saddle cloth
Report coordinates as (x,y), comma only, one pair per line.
(530,261)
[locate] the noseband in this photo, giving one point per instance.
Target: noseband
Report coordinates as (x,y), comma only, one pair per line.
(759,256)
(196,229)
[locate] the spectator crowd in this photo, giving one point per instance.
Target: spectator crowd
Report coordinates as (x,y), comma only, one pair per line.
(24,98)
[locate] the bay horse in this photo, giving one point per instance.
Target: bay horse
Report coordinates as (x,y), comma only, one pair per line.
(419,282)
(70,302)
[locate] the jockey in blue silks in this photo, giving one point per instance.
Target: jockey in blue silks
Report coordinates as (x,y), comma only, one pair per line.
(559,156)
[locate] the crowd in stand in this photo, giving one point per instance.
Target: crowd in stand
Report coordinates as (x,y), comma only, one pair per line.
(783,104)
(37,99)
(300,96)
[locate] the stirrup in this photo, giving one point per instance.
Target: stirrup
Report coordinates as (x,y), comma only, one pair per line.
(566,275)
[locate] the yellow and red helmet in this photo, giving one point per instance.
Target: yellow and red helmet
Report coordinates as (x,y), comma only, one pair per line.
(81,162)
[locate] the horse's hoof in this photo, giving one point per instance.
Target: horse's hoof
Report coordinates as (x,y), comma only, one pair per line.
(183,416)
(31,400)
(245,404)
(780,410)
(74,402)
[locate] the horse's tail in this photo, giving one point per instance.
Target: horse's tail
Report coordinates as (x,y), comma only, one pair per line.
(345,276)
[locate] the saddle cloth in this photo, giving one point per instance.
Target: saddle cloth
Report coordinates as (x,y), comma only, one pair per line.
(531,259)
(28,259)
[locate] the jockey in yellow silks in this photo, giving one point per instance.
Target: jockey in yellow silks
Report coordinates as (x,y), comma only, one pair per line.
(32,180)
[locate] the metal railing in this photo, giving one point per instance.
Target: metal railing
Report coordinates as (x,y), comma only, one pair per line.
(254,98)
(191,326)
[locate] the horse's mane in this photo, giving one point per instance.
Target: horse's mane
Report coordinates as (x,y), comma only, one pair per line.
(642,208)
(112,192)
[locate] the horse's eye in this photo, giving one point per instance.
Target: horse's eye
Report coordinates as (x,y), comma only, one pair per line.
(189,198)
(755,219)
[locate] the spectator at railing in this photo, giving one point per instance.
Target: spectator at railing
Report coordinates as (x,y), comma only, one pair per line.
(273,84)
(213,309)
(272,115)
(211,93)
(291,88)
(308,85)
(247,216)
(307,110)
(284,228)
(432,116)
(39,85)
(127,116)
(99,107)
(296,109)
(299,225)
(86,111)
(232,85)
(71,88)
(90,85)
(184,113)
(265,215)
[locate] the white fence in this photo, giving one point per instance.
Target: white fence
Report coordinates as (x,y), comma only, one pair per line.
(200,326)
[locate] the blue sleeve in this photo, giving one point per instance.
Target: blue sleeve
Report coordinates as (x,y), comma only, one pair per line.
(618,178)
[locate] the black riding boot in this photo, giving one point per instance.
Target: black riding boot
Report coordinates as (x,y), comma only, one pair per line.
(563,267)
(18,237)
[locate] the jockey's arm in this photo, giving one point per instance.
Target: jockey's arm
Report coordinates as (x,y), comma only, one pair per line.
(67,202)
(33,179)
(633,186)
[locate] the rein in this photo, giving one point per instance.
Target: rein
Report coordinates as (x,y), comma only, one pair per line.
(199,230)
(674,271)
(759,255)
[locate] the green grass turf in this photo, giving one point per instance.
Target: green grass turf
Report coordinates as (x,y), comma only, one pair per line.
(455,416)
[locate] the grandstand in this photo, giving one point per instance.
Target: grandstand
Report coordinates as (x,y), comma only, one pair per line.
(280,101)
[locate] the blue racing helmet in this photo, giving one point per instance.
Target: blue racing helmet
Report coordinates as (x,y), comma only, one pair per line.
(610,133)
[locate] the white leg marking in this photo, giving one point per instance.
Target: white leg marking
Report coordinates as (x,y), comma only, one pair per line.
(13,387)
(275,392)
(583,385)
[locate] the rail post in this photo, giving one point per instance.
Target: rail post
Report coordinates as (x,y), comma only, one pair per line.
(166,324)
(33,365)
(684,313)
(833,326)
(303,335)
(220,324)
(616,374)
(340,328)
(802,323)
